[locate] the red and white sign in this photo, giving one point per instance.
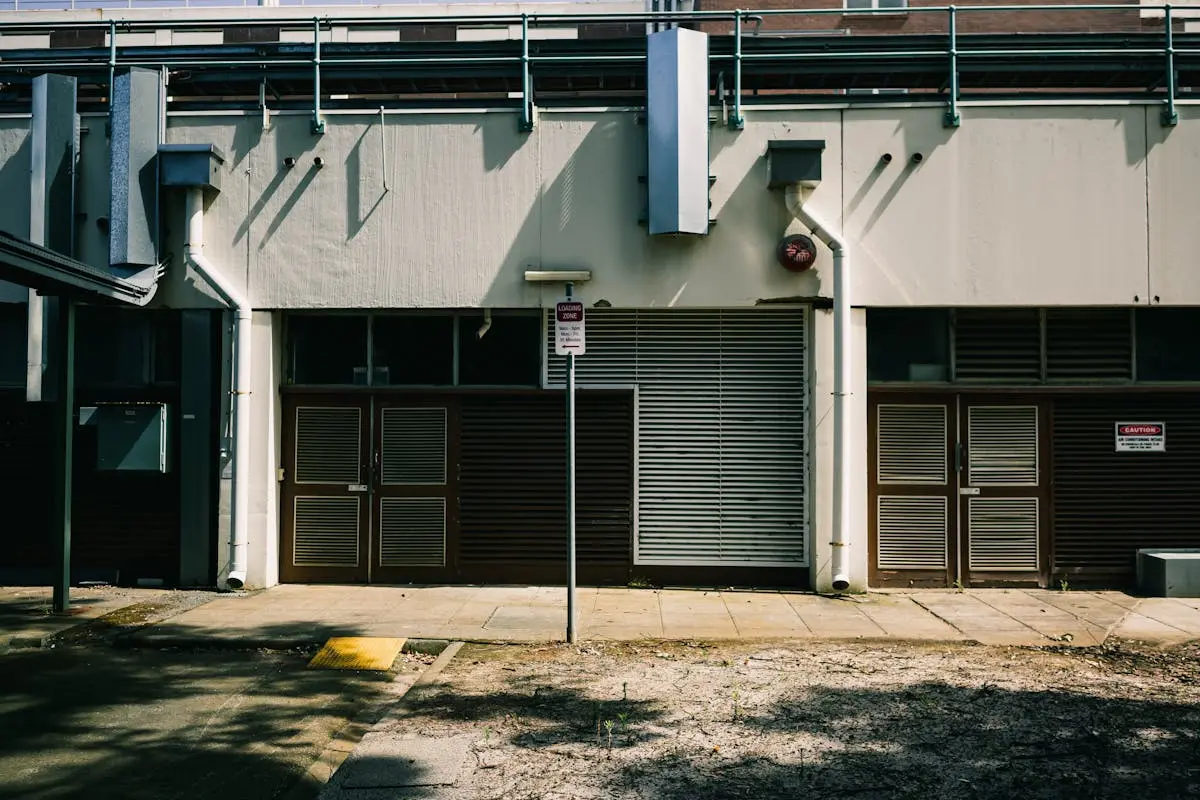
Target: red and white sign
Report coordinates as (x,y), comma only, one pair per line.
(1141,437)
(569,328)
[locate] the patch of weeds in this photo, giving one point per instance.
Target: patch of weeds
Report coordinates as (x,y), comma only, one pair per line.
(640,582)
(1064,585)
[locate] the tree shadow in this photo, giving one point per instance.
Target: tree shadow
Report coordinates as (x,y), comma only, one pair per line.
(935,739)
(169,723)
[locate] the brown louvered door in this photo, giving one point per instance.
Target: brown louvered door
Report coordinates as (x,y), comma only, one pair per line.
(325,494)
(912,491)
(1003,494)
(414,488)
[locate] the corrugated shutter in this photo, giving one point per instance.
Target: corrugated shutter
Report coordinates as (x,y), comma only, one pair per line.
(513,485)
(1108,504)
(997,345)
(412,531)
(413,451)
(912,444)
(722,415)
(1089,344)
(1003,533)
(912,532)
(1002,446)
(326,532)
(328,445)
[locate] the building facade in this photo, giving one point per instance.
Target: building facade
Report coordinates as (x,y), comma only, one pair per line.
(931,340)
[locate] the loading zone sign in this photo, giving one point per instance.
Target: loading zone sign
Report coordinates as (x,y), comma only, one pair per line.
(1141,437)
(568,328)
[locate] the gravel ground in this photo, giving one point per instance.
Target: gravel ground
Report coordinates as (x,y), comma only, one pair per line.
(697,722)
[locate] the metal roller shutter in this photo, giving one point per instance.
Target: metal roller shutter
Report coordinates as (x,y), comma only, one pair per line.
(1108,504)
(722,429)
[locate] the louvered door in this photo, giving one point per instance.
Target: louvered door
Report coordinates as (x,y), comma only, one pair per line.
(1004,496)
(413,489)
(325,509)
(913,501)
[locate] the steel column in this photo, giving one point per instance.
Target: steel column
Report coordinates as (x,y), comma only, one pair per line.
(64,438)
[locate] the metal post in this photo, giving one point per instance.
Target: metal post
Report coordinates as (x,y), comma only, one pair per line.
(112,60)
(64,434)
(571,633)
(383,157)
(1169,115)
(526,79)
(318,124)
(952,119)
(736,123)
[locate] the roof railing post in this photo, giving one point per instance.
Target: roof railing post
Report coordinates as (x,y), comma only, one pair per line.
(112,60)
(526,79)
(952,119)
(318,123)
(1170,116)
(736,122)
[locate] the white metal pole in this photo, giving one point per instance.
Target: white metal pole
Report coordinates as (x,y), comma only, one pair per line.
(571,634)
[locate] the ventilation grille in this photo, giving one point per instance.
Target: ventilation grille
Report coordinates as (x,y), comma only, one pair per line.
(326,532)
(327,445)
(1002,446)
(912,532)
(1003,534)
(998,346)
(414,446)
(412,531)
(911,444)
(721,430)
(1089,345)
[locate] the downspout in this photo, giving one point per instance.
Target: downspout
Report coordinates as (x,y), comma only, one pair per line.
(841,377)
(194,249)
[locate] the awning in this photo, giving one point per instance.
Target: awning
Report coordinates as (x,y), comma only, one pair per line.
(51,273)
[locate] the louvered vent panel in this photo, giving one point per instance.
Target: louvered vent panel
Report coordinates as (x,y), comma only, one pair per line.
(911,444)
(412,531)
(912,532)
(327,444)
(1108,504)
(1002,446)
(997,346)
(1003,534)
(1089,344)
(721,428)
(413,451)
(326,532)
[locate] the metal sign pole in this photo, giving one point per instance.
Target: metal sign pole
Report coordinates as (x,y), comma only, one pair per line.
(571,634)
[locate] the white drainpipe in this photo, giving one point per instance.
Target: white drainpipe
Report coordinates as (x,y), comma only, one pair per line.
(841,378)
(35,363)
(239,535)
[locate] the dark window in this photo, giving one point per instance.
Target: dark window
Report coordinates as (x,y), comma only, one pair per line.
(1168,344)
(508,354)
(12,344)
(414,350)
(327,349)
(123,347)
(68,38)
(908,344)
(255,34)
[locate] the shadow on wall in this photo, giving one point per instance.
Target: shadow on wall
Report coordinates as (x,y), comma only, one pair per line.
(14,179)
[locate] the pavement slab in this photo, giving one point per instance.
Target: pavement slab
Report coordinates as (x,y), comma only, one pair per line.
(382,761)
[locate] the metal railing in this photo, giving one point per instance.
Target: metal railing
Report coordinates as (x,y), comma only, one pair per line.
(953,52)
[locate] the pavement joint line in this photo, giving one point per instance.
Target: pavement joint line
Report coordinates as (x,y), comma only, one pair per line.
(936,615)
(346,740)
(1014,619)
(728,613)
(1108,629)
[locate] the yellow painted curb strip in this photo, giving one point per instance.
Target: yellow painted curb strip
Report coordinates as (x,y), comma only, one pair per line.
(358,652)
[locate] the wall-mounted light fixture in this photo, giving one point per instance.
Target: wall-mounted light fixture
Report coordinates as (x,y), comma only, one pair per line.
(557,275)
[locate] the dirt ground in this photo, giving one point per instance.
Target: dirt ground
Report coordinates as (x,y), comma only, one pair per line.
(700,722)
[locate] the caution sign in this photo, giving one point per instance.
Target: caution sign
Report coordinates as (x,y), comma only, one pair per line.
(1141,437)
(568,328)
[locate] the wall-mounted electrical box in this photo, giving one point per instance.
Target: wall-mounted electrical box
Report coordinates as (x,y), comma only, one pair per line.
(795,161)
(130,437)
(191,165)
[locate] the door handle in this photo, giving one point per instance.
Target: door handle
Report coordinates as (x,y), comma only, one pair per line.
(958,457)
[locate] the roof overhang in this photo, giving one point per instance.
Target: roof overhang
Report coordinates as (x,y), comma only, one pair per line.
(51,273)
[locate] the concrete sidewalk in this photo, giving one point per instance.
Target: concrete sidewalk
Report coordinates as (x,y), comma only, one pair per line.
(299,615)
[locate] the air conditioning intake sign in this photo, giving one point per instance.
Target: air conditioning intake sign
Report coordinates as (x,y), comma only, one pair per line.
(1141,437)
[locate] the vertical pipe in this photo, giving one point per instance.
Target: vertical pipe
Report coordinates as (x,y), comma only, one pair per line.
(526,78)
(383,147)
(952,119)
(736,122)
(1170,116)
(64,434)
(34,358)
(571,632)
(318,124)
(112,60)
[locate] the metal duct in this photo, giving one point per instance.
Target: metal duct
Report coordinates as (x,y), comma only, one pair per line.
(136,125)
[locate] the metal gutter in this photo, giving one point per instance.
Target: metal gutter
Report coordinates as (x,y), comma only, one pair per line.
(51,273)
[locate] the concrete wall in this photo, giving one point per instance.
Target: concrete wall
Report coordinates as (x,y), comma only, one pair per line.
(1033,205)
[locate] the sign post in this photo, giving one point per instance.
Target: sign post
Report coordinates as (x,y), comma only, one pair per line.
(569,342)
